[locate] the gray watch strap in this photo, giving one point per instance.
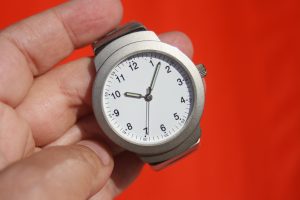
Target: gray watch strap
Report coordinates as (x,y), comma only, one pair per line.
(115,34)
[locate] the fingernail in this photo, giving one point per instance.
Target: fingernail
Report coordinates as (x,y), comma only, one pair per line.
(100,151)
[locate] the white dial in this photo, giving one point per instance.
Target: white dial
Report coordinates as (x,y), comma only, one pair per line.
(147,98)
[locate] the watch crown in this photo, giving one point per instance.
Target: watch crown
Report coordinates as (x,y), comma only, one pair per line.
(202,70)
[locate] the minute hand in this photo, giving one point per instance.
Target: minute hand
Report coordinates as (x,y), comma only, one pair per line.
(154,78)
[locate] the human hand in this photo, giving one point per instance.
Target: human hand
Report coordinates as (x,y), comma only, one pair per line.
(50,144)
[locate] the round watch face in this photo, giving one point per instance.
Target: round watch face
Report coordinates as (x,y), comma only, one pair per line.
(147,98)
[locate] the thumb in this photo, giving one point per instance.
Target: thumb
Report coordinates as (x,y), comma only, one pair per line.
(61,172)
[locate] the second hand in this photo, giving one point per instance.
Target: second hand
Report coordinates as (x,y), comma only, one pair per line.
(147,117)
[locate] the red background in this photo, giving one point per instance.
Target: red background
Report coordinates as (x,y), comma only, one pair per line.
(250,147)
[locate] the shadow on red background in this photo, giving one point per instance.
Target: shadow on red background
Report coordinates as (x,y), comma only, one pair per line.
(251,126)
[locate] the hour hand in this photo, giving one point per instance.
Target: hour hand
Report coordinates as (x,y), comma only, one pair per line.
(133,95)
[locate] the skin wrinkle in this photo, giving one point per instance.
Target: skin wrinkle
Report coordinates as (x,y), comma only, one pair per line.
(109,191)
(19,46)
(96,167)
(78,155)
(70,33)
(106,13)
(7,73)
(7,131)
(55,117)
(75,94)
(116,12)
(59,98)
(3,161)
(29,145)
(72,36)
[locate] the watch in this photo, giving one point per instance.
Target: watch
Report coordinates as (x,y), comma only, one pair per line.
(148,96)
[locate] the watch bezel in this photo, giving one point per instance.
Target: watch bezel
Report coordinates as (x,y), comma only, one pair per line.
(147,46)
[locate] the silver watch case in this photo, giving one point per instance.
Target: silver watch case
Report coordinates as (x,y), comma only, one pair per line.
(126,46)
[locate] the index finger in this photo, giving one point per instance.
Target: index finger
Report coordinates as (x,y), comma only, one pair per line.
(32,46)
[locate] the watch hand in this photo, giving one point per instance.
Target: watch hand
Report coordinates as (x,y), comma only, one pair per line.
(148,96)
(149,90)
(133,95)
(147,117)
